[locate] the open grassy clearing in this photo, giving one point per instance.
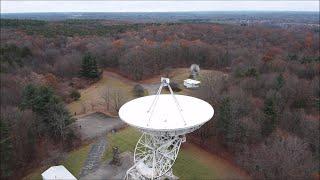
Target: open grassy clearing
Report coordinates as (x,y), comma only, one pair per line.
(73,163)
(222,168)
(92,96)
(178,75)
(125,139)
(187,166)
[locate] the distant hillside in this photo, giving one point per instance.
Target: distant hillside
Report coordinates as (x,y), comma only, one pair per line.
(302,17)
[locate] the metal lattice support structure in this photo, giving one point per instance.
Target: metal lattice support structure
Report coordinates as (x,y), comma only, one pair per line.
(154,156)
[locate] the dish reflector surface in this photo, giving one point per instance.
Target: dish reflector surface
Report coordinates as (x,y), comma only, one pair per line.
(166,115)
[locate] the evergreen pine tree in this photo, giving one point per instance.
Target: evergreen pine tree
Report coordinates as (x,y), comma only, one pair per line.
(224,122)
(269,123)
(279,82)
(52,113)
(89,66)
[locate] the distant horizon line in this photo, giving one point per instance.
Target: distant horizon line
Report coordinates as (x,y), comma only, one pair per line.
(163,11)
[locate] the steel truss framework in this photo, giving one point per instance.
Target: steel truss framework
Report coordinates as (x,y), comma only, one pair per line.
(154,156)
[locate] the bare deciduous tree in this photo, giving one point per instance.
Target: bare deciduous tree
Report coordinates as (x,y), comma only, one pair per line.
(118,98)
(105,95)
(114,98)
(279,158)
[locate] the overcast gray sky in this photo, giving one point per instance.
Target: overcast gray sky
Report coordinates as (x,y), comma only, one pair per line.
(155,6)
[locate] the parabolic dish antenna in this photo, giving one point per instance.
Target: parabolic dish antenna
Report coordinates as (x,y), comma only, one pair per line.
(164,120)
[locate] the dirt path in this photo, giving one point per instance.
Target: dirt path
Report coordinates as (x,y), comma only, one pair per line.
(224,169)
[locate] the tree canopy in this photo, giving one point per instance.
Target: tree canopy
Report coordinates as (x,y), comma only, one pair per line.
(89,66)
(53,115)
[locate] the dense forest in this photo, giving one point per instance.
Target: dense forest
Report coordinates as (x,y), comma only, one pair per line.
(267,106)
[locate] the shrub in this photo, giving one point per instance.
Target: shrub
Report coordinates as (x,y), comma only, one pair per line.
(292,57)
(241,71)
(251,72)
(174,86)
(75,95)
(138,90)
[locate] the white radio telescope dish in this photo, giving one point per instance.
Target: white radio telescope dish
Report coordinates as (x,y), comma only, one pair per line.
(164,120)
(166,116)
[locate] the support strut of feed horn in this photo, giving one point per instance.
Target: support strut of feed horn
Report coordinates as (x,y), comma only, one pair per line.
(165,82)
(155,155)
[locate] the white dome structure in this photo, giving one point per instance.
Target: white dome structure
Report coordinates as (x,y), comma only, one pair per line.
(164,120)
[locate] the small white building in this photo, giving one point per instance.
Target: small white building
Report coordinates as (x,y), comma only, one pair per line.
(57,172)
(191,83)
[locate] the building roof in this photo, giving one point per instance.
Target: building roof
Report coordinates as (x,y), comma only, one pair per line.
(57,172)
(192,81)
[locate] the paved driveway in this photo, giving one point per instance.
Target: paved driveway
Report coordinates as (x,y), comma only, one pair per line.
(96,124)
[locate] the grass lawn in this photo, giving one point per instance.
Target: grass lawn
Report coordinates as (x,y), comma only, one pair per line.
(180,74)
(76,159)
(73,163)
(93,94)
(125,139)
(187,165)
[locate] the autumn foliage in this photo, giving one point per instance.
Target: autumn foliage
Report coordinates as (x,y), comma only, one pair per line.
(270,75)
